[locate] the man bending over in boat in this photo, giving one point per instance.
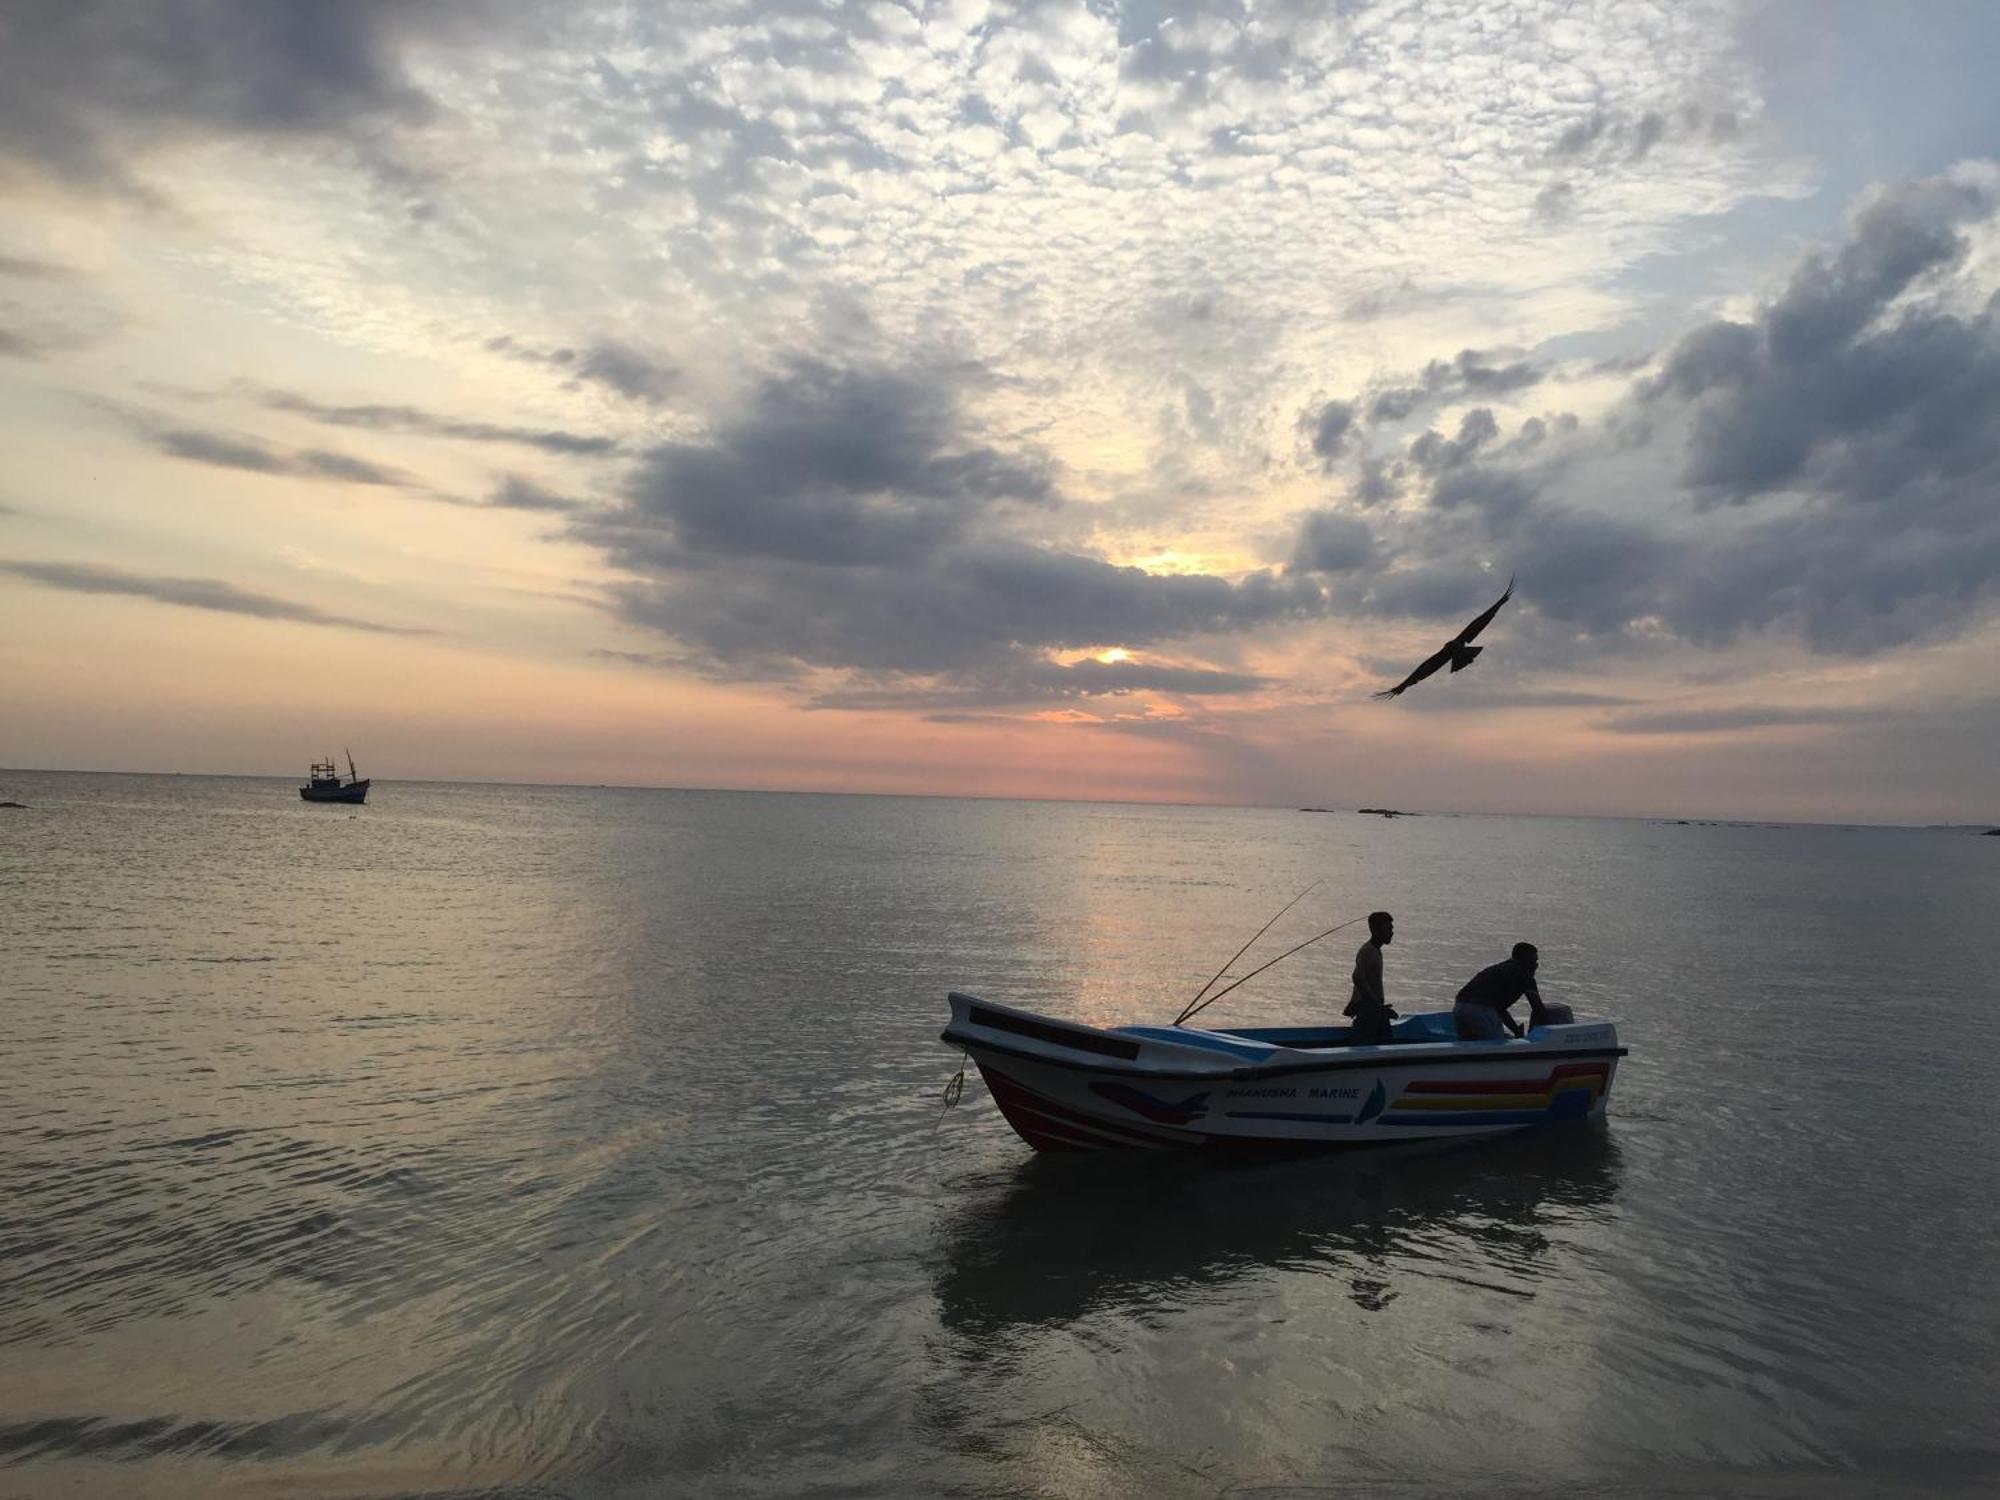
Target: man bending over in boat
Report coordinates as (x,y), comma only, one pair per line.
(1369,1007)
(1483,1005)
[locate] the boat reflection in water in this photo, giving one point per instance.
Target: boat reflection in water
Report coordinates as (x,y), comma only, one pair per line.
(1066,1238)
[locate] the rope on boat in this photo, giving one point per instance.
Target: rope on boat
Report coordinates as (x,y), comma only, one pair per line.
(954,1090)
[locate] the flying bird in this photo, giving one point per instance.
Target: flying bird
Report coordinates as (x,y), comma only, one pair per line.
(1458,650)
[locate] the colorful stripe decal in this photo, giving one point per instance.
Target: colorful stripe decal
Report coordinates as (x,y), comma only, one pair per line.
(1566,1091)
(1281,1114)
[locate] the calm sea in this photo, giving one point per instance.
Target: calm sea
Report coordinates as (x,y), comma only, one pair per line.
(563,1142)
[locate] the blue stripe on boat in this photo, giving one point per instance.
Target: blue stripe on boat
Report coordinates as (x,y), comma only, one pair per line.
(1468,1117)
(1280,1114)
(1196,1039)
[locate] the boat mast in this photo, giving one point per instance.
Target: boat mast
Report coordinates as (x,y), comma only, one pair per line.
(352,774)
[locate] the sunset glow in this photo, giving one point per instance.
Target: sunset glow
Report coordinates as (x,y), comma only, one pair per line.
(1042,400)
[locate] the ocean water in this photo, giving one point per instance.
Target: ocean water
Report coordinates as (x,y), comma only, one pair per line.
(543,1142)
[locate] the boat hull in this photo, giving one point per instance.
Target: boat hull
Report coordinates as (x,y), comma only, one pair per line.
(353,791)
(1065,1087)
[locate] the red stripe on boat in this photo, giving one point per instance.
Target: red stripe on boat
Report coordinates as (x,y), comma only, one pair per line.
(1596,1071)
(1012,1095)
(1046,1134)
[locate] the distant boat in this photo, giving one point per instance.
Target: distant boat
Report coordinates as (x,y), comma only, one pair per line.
(325,785)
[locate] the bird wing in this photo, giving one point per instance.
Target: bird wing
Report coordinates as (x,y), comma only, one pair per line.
(1482,621)
(1430,664)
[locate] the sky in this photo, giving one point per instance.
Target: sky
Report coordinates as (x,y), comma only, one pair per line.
(978,398)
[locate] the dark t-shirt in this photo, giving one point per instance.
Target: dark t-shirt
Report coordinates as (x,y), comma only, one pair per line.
(1367,980)
(1500,985)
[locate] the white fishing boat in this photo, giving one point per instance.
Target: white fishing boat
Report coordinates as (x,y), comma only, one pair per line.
(1065,1086)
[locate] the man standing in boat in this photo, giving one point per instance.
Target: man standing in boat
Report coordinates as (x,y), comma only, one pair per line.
(1482,1007)
(1370,1007)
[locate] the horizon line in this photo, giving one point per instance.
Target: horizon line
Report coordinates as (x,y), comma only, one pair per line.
(623,786)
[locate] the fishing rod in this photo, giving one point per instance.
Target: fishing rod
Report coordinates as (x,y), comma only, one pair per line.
(1195,1004)
(1262,967)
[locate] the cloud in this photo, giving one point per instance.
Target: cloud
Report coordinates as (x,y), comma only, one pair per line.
(1468,376)
(1831,387)
(320,463)
(1328,429)
(202,447)
(225,453)
(1330,541)
(515,493)
(36,328)
(1733,720)
(1025,681)
(832,465)
(88,86)
(1848,424)
(621,367)
(35,270)
(1432,453)
(1555,202)
(627,371)
(17,345)
(191,593)
(667,659)
(845,521)
(395,418)
(1477,696)
(1608,136)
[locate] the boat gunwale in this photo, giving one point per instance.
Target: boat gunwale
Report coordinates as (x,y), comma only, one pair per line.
(1451,1058)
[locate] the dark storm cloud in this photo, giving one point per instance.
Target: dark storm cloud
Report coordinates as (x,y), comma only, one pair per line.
(1381,479)
(85,85)
(1832,388)
(238,453)
(191,593)
(1330,541)
(1027,680)
(833,466)
(1328,429)
(1467,376)
(1499,493)
(515,493)
(623,368)
(1859,410)
(1433,453)
(391,418)
(320,463)
(224,453)
(640,658)
(844,521)
(960,610)
(627,371)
